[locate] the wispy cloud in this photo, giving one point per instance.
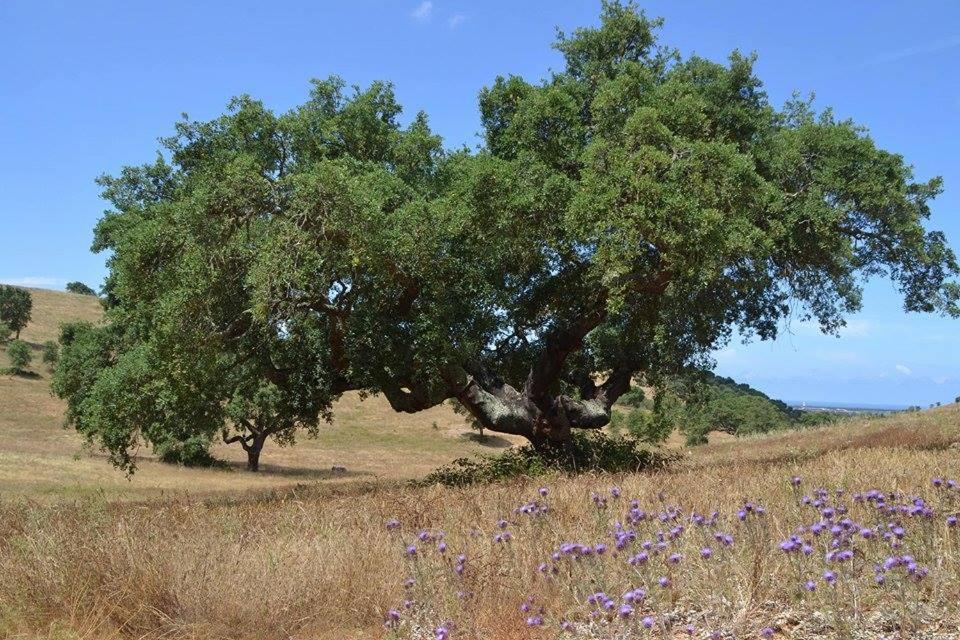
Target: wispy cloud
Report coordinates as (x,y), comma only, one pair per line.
(456,20)
(905,370)
(42,282)
(423,11)
(936,46)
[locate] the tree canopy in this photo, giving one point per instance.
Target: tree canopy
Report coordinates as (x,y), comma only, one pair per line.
(80,289)
(625,216)
(15,308)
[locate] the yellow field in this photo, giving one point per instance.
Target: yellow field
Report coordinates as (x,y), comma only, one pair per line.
(368,438)
(300,552)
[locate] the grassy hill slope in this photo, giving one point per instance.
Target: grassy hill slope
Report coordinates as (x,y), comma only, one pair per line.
(41,459)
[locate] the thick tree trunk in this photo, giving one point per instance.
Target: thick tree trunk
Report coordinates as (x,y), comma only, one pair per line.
(253,453)
(547,422)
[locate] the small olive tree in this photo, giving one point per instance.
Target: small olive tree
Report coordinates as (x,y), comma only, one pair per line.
(15,307)
(20,356)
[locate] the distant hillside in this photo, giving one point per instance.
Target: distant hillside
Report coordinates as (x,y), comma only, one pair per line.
(51,308)
(701,403)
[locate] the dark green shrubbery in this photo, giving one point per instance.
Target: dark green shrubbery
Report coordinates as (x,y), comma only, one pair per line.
(594,451)
(192,452)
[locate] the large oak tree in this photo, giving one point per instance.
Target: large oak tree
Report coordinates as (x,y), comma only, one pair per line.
(625,217)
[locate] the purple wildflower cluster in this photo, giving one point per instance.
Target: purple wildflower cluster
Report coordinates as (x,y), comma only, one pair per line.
(640,560)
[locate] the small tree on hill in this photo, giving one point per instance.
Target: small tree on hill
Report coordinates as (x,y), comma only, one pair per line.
(15,306)
(20,356)
(80,288)
(5,332)
(51,353)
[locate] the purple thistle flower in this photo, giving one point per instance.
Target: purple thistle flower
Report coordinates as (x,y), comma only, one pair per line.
(441,633)
(392,523)
(796,480)
(664,581)
(534,621)
(810,585)
(626,611)
(830,577)
(411,549)
(648,622)
(706,552)
(674,558)
(951,521)
(615,492)
(393,616)
(543,492)
(766,632)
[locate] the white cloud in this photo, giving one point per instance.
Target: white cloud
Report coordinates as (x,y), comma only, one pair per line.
(456,20)
(905,370)
(423,11)
(40,282)
(941,379)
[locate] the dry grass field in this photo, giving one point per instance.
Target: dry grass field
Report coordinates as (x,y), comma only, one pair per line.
(367,437)
(299,552)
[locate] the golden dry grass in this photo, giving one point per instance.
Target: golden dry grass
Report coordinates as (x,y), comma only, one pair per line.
(322,565)
(367,438)
(298,552)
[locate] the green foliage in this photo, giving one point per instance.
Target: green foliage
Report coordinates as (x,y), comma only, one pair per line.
(193,451)
(51,353)
(624,217)
(635,398)
(5,332)
(587,452)
(700,402)
(20,356)
(15,307)
(80,288)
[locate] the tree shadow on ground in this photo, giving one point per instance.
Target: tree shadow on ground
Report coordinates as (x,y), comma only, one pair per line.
(26,375)
(494,442)
(312,473)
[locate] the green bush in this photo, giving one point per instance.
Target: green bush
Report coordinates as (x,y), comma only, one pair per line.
(80,288)
(587,452)
(635,398)
(20,356)
(5,332)
(51,353)
(191,452)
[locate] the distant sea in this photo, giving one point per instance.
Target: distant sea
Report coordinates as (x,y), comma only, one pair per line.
(811,405)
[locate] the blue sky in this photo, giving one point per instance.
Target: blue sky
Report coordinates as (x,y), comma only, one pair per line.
(88,87)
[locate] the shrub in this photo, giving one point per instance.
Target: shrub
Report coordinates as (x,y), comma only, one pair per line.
(5,332)
(191,452)
(80,288)
(20,356)
(51,353)
(586,452)
(634,398)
